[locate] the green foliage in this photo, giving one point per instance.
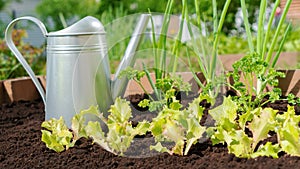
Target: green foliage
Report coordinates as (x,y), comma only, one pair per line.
(207,59)
(233,129)
(244,134)
(57,137)
(293,40)
(292,99)
(240,122)
(230,44)
(60,10)
(181,127)
(117,140)
(250,69)
(51,9)
(137,6)
(165,89)
(258,63)
(3,3)
(289,131)
(10,66)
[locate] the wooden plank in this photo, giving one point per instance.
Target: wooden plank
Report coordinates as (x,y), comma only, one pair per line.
(3,94)
(21,89)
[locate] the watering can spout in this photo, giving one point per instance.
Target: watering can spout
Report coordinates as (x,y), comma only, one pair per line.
(118,85)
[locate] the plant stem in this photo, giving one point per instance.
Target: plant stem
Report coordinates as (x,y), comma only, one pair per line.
(194,74)
(281,21)
(151,82)
(203,50)
(216,39)
(215,32)
(163,38)
(62,20)
(201,63)
(268,29)
(247,26)
(144,90)
(261,21)
(260,85)
(177,43)
(154,45)
(281,45)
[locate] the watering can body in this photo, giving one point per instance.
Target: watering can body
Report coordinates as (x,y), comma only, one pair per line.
(78,72)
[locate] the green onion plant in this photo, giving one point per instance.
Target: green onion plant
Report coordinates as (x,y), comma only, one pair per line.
(207,60)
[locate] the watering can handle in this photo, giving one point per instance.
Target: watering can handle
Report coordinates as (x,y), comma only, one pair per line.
(13,48)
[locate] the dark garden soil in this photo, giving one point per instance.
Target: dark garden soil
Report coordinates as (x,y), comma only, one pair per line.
(21,147)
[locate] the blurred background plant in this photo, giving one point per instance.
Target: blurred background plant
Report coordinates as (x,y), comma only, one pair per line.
(3,5)
(10,67)
(54,9)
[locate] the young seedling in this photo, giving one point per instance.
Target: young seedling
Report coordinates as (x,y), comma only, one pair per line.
(180,127)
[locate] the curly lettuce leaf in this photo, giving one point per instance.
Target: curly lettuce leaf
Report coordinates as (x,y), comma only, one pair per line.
(232,130)
(289,132)
(240,144)
(120,112)
(57,137)
(268,150)
(78,122)
(179,126)
(94,130)
(160,148)
(224,112)
(262,124)
(193,133)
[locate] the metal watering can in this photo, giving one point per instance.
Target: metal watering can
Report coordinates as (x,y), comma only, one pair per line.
(78,72)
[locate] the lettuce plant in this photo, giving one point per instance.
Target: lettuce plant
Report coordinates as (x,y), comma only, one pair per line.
(117,140)
(233,132)
(288,131)
(120,130)
(57,135)
(178,126)
(245,134)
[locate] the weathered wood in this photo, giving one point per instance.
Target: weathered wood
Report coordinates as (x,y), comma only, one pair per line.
(20,89)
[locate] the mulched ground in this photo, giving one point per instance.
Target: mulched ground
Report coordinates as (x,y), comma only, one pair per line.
(21,147)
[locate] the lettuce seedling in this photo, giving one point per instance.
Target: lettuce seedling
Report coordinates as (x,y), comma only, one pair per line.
(117,140)
(57,137)
(289,132)
(232,129)
(120,131)
(181,127)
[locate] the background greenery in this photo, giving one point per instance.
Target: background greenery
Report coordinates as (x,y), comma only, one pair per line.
(50,9)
